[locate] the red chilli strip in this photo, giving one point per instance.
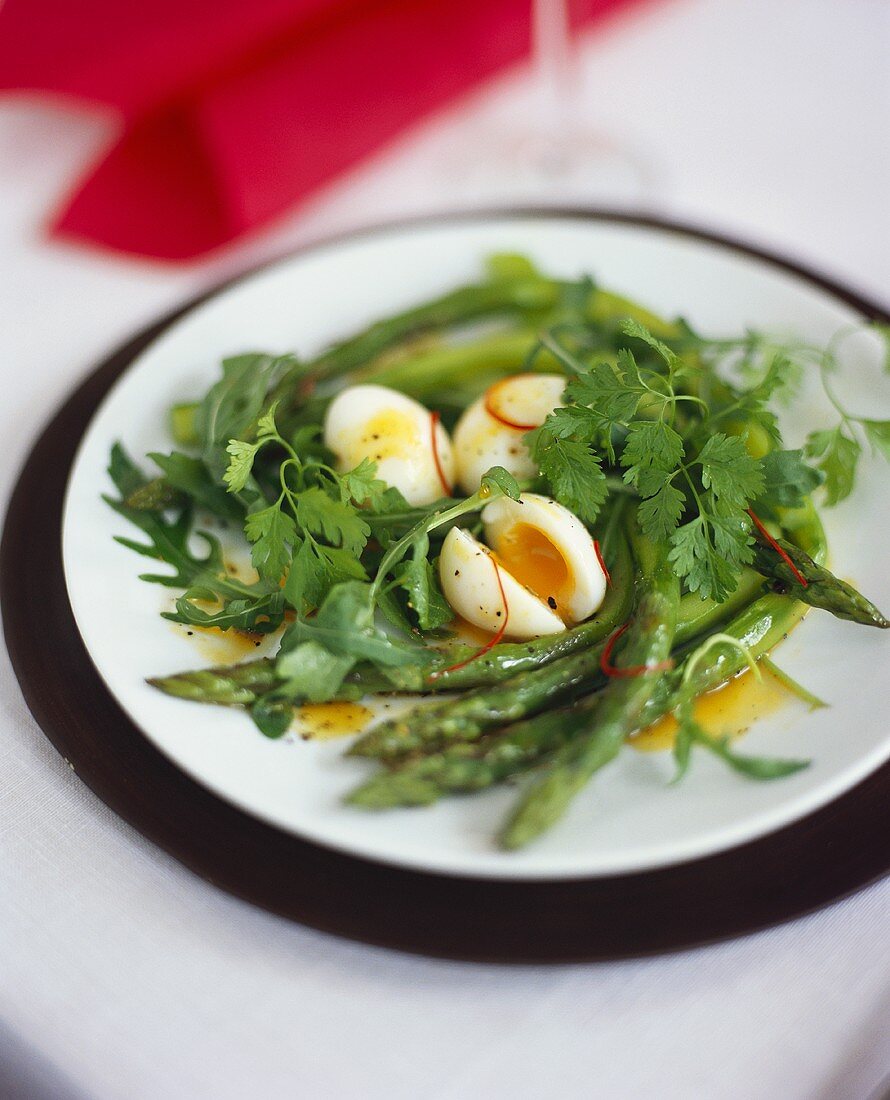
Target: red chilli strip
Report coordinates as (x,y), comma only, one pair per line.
(599,558)
(434,423)
(495,415)
(615,673)
(492,642)
(801,579)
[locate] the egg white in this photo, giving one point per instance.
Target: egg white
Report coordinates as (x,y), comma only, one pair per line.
(396,433)
(510,523)
(469,578)
(482,440)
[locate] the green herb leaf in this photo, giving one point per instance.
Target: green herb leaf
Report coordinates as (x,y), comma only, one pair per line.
(331,519)
(878,432)
(273,534)
(637,331)
(497,477)
(364,487)
(660,513)
(232,405)
(787,479)
(837,456)
(190,476)
(729,471)
(240,464)
(575,475)
(420,580)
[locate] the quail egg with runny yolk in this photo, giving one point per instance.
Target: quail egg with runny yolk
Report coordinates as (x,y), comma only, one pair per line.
(490,431)
(540,569)
(410,448)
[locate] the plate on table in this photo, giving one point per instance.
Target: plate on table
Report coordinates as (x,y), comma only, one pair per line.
(631,824)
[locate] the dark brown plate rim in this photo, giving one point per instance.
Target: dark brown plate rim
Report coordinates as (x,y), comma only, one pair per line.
(816,860)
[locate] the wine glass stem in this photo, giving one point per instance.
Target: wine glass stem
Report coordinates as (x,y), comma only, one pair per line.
(552,53)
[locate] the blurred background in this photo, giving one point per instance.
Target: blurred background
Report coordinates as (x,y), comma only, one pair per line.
(148,151)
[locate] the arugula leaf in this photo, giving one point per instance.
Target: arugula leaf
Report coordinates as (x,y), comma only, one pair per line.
(168,540)
(420,579)
(272,716)
(338,637)
(235,401)
(500,481)
(837,456)
(190,476)
(259,613)
(313,672)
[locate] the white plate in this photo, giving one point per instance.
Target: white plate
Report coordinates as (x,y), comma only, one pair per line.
(630,818)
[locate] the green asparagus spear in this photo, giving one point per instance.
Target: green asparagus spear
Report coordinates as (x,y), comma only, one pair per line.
(511,296)
(527,691)
(506,753)
(229,686)
(646,643)
(822,589)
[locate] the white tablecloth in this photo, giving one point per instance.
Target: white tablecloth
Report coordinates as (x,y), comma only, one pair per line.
(121,974)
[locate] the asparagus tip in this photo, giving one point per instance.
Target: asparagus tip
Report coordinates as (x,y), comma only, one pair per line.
(386,791)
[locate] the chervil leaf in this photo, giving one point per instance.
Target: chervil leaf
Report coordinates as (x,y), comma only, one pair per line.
(575,475)
(660,513)
(612,395)
(787,479)
(637,331)
(837,456)
(265,426)
(363,486)
(331,519)
(651,443)
(240,467)
(729,471)
(272,532)
(698,561)
(878,432)
(308,580)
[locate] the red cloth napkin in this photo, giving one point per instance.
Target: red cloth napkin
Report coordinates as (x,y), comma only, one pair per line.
(233,111)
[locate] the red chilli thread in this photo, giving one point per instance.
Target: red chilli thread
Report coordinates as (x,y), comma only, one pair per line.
(599,558)
(615,673)
(492,641)
(495,415)
(434,424)
(801,579)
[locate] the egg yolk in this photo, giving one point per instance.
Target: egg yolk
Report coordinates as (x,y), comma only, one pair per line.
(535,562)
(389,434)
